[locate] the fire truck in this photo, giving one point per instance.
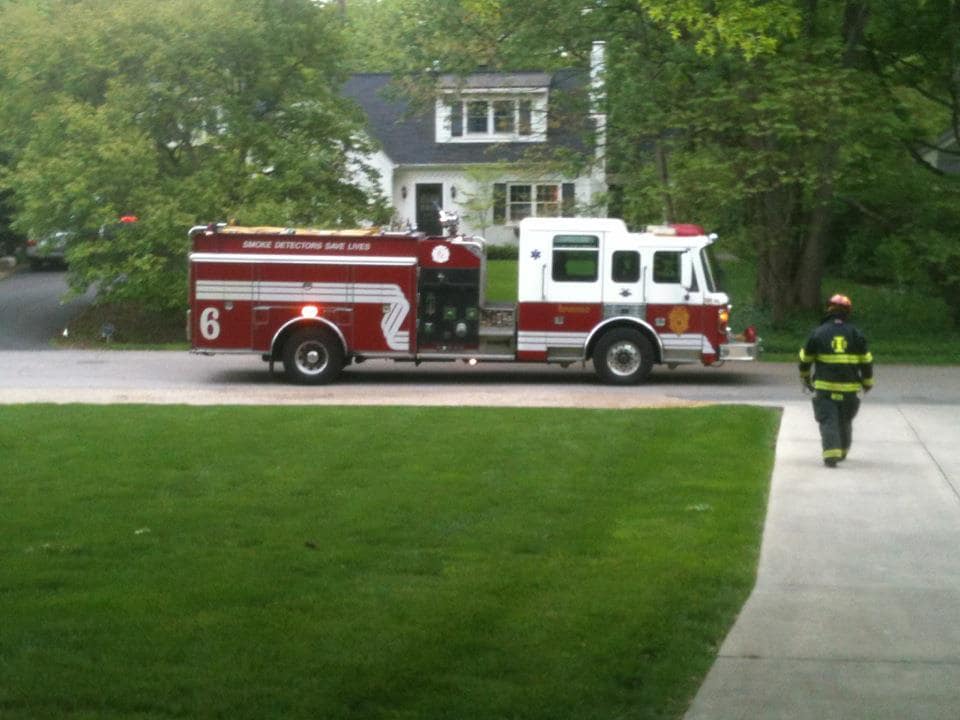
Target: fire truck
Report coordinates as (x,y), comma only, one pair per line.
(587,290)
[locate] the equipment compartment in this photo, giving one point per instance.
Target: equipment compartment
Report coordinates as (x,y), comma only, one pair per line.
(448,313)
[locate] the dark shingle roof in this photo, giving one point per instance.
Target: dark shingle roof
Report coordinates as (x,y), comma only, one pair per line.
(495,80)
(407,134)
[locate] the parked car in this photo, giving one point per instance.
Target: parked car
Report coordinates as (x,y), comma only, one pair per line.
(50,249)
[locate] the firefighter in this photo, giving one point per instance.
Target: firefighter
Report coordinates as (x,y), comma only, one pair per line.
(844,366)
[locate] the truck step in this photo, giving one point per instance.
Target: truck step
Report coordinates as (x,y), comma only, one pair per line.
(487,331)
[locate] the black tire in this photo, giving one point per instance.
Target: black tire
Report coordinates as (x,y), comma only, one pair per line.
(623,357)
(312,356)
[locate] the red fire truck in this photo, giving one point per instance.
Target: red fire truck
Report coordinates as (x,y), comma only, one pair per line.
(587,289)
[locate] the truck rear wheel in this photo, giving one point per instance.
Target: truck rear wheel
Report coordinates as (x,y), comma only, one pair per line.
(623,357)
(312,356)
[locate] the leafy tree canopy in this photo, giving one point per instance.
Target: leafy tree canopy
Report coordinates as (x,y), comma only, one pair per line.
(768,121)
(179,113)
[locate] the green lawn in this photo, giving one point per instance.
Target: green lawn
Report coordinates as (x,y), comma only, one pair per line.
(502,280)
(309,562)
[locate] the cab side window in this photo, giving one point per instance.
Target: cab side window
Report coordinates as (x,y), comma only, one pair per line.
(666,266)
(626,266)
(576,258)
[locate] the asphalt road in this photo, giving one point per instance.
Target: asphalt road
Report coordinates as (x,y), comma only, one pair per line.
(32,310)
(179,377)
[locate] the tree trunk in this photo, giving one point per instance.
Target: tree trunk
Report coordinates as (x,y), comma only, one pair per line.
(811,262)
(661,159)
(776,245)
(791,234)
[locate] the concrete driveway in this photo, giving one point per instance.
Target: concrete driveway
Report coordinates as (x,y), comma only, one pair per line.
(856,610)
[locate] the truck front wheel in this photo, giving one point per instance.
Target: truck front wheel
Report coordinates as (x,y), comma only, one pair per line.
(312,357)
(623,357)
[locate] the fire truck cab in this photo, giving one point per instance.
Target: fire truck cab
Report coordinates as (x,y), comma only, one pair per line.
(587,289)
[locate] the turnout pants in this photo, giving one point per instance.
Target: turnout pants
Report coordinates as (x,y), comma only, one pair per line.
(834,412)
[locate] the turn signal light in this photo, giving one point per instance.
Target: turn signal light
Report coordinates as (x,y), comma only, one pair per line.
(723,318)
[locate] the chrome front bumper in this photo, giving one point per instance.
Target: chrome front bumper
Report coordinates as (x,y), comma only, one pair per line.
(740,351)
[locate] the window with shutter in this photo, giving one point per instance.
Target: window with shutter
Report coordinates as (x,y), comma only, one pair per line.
(456,119)
(499,203)
(569,200)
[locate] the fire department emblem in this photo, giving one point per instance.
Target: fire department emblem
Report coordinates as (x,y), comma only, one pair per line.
(440,254)
(678,320)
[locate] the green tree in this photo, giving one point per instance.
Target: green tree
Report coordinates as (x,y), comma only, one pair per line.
(762,120)
(372,43)
(752,120)
(179,113)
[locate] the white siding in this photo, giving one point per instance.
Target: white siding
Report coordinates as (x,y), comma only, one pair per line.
(460,187)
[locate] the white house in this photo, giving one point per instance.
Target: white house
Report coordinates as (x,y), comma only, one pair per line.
(471,152)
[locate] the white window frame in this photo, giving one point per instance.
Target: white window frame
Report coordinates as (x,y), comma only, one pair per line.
(535,203)
(532,119)
(468,117)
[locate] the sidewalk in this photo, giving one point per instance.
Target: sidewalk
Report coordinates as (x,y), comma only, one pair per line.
(856,610)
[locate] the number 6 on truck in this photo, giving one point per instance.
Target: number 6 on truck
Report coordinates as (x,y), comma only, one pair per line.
(209,323)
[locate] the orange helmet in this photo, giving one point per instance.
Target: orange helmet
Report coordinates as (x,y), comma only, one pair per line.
(839,303)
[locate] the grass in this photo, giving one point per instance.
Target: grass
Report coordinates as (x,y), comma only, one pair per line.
(902,324)
(502,280)
(133,328)
(256,562)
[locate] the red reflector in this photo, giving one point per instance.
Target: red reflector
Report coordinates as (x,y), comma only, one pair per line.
(129,219)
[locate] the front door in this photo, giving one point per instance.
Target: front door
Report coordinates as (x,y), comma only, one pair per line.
(429,203)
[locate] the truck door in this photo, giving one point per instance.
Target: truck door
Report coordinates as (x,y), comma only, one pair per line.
(675,302)
(561,298)
(623,294)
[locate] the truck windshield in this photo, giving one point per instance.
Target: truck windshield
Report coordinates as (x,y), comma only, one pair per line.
(711,269)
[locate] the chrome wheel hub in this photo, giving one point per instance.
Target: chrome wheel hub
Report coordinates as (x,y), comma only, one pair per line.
(312,358)
(623,358)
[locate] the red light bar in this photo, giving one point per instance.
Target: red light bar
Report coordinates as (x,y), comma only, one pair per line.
(687,229)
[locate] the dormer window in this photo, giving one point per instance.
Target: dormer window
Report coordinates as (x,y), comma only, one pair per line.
(491,119)
(478,115)
(525,117)
(493,108)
